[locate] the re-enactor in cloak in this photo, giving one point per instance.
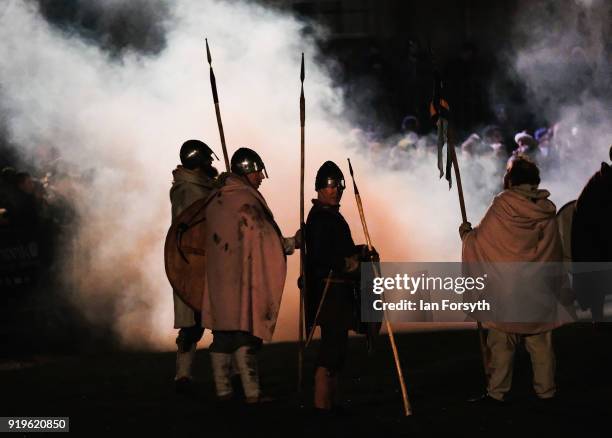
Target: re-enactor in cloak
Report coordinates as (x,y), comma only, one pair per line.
(332,261)
(519,226)
(192,180)
(245,273)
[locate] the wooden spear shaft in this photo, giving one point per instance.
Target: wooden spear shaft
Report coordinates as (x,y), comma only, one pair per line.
(213,85)
(481,336)
(302,259)
(316,317)
(437,101)
(398,367)
(453,154)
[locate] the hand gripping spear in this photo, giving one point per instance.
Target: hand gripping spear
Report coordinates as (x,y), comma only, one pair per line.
(213,85)
(440,111)
(302,251)
(400,375)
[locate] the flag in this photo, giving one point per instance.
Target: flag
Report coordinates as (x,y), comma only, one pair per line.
(439,110)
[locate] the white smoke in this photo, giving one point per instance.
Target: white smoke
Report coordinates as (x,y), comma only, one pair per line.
(127,118)
(562,56)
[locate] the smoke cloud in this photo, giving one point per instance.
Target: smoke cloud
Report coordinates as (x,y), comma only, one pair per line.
(126,118)
(126,112)
(562,56)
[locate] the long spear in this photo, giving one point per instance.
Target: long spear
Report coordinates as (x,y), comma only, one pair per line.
(213,85)
(400,374)
(440,110)
(302,251)
(481,335)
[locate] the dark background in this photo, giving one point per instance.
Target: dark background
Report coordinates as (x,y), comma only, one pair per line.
(386,52)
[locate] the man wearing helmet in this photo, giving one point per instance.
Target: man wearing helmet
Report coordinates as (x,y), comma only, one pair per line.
(245,270)
(192,180)
(332,262)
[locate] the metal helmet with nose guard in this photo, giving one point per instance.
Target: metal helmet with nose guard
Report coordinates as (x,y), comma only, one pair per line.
(245,161)
(329,175)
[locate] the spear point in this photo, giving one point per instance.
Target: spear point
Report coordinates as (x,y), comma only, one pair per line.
(350,168)
(208,53)
(353,177)
(302,70)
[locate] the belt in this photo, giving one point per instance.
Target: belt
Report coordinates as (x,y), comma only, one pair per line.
(338,281)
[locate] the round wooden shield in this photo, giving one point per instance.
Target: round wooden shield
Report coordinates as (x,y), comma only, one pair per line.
(185,255)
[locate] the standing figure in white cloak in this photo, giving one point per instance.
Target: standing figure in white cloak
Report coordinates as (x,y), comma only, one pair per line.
(518,227)
(192,180)
(245,269)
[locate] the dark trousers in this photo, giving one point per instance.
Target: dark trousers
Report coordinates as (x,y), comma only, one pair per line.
(188,336)
(333,348)
(226,341)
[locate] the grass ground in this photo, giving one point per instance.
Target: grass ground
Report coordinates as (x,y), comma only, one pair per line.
(110,392)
